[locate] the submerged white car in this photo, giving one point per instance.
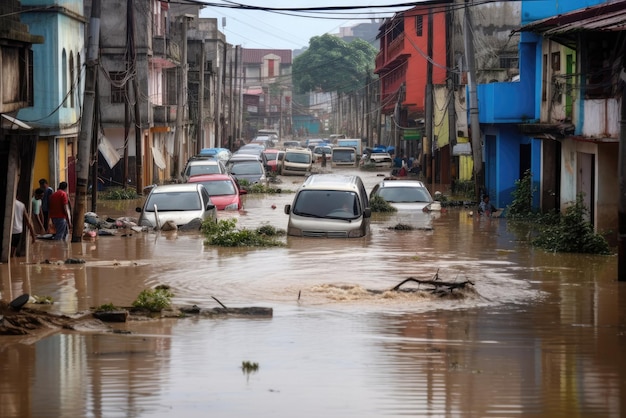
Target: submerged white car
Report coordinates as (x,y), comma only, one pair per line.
(180,203)
(415,206)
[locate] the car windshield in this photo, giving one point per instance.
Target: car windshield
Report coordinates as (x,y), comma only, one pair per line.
(271,155)
(343,155)
(327,204)
(297,157)
(319,150)
(220,187)
(192,170)
(173,201)
(404,194)
(246,167)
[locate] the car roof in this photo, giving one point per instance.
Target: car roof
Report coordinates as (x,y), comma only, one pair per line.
(203,161)
(179,187)
(245,157)
(401,183)
(330,180)
(208,177)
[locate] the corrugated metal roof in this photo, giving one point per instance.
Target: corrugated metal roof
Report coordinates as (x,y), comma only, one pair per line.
(603,17)
(255,56)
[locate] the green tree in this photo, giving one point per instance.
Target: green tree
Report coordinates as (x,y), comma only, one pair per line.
(332,64)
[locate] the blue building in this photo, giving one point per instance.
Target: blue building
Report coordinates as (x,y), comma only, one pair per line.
(560,120)
(58,65)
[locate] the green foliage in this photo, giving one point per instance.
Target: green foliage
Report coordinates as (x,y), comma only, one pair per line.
(378,204)
(332,64)
(573,233)
(464,188)
(257,187)
(249,367)
(154,300)
(107,307)
(521,208)
(224,233)
(117,193)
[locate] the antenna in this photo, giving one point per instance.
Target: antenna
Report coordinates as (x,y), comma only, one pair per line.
(223,21)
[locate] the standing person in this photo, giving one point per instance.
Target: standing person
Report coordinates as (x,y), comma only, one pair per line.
(45,202)
(20,217)
(36,212)
(60,212)
(323,158)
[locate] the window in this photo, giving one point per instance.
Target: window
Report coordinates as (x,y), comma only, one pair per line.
(419,25)
(72,76)
(271,71)
(118,86)
(64,77)
(556,61)
(544,81)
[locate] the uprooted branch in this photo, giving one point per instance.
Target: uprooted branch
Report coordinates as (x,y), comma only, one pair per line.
(437,284)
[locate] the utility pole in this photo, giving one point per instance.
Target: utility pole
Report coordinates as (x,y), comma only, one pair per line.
(180,109)
(137,113)
(429,99)
(231,101)
(621,208)
(200,127)
(477,149)
(86,124)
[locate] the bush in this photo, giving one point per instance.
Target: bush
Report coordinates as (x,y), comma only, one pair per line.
(573,233)
(378,204)
(257,187)
(224,233)
(521,208)
(154,300)
(117,193)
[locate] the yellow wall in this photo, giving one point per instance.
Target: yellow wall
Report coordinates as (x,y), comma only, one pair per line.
(42,168)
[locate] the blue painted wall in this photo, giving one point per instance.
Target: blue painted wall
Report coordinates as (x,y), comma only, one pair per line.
(62,32)
(540,9)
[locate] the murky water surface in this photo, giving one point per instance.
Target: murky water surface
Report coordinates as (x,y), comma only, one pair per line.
(540,335)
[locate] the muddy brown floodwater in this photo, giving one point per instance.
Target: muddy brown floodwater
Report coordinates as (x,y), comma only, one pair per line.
(540,335)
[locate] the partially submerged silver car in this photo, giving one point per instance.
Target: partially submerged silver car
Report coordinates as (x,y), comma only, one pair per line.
(179,203)
(412,200)
(329,205)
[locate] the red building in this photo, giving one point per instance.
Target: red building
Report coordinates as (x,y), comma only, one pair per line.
(402,63)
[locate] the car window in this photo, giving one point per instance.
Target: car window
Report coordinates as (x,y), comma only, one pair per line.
(173,201)
(327,203)
(220,187)
(246,168)
(203,169)
(297,157)
(403,194)
(206,199)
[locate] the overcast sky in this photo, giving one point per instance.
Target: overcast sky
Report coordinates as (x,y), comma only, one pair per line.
(260,29)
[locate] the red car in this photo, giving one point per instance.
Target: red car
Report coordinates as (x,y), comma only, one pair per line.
(223,188)
(274,159)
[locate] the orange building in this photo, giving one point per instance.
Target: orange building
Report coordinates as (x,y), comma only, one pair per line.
(402,63)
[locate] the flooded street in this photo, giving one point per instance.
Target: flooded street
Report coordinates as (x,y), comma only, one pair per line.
(539,335)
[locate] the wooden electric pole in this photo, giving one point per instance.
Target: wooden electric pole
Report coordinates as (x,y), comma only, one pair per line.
(86,124)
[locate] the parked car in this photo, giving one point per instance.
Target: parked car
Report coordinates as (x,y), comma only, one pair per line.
(376,159)
(250,168)
(343,156)
(265,141)
(291,144)
(297,161)
(327,150)
(411,198)
(223,188)
(329,205)
(203,165)
(180,203)
(222,154)
(274,158)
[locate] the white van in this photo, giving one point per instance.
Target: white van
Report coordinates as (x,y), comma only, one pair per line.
(343,157)
(329,205)
(296,161)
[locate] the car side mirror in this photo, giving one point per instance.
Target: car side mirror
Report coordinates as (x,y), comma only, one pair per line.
(138,209)
(210,206)
(243,191)
(367,212)
(287,209)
